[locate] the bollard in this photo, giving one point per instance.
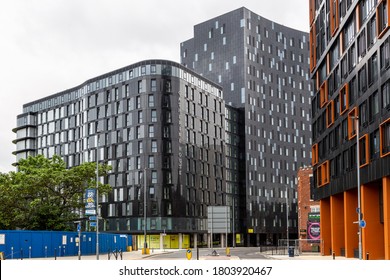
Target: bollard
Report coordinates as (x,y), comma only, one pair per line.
(334,255)
(55,253)
(197,253)
(21,253)
(189,254)
(367,256)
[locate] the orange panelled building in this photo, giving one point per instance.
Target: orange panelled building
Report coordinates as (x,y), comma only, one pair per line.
(350,71)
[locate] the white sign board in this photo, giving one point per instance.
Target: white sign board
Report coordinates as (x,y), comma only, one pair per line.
(219,219)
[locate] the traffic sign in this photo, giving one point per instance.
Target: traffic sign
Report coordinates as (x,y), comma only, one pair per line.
(92,224)
(92,218)
(78,227)
(362,224)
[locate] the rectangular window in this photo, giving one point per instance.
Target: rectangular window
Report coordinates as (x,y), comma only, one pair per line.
(344,67)
(151,100)
(352,123)
(382,18)
(344,131)
(138,159)
(323,174)
(151,162)
(386,95)
(151,130)
(352,57)
(363,116)
(349,33)
(324,93)
(362,80)
(384,131)
(153,115)
(373,69)
(153,85)
(374,144)
(154,146)
(344,99)
(154,181)
(374,105)
(312,48)
(314,154)
(362,47)
(371,32)
(330,114)
(352,91)
(334,16)
(363,150)
(365,9)
(141,86)
(167,86)
(384,55)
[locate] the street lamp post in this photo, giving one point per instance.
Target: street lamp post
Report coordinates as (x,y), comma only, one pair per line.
(97,198)
(358,186)
(287,216)
(233,226)
(79,238)
(145,242)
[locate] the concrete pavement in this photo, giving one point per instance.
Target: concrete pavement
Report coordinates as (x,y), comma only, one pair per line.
(137,255)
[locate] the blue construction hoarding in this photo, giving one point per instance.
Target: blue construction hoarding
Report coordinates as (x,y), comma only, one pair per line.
(17,244)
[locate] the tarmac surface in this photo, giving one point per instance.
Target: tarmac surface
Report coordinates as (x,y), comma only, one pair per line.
(137,255)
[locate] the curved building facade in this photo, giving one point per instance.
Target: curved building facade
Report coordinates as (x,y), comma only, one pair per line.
(161,128)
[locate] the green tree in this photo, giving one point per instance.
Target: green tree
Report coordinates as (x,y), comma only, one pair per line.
(44,195)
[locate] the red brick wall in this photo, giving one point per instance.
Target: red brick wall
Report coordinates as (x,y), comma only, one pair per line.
(304,204)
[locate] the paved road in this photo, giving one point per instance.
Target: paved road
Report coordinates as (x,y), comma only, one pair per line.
(206,254)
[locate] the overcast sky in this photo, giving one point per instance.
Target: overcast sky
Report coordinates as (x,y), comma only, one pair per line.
(47,46)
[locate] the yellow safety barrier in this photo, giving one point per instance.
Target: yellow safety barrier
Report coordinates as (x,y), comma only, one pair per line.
(145,251)
(189,254)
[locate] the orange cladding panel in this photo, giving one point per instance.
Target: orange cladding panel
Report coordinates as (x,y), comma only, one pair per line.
(325,226)
(351,228)
(337,223)
(386,215)
(373,233)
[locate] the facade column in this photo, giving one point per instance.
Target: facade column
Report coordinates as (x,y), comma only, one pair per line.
(161,240)
(222,240)
(195,240)
(180,241)
(337,223)
(325,227)
(386,215)
(350,225)
(373,234)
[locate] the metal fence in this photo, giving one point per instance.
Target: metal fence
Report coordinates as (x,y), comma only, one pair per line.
(19,244)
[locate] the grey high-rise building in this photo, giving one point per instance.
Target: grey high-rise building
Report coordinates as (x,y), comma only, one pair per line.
(263,68)
(155,117)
